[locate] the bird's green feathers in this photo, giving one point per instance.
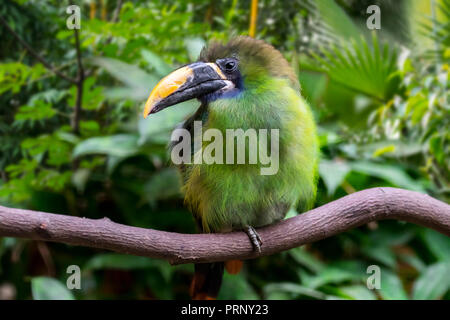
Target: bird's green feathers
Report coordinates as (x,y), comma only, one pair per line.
(231,196)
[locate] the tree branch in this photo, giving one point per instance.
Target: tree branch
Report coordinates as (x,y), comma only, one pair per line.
(116,13)
(335,217)
(34,53)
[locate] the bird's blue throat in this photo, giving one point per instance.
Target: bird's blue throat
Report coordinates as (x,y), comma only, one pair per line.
(236,91)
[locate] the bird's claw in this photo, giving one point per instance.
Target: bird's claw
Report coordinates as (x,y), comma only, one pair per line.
(254,237)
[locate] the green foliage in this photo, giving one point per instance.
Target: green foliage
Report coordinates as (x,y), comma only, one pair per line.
(44,288)
(381,103)
(439,31)
(392,286)
(38,111)
(335,18)
(367,70)
(117,261)
(433,283)
(14,75)
(121,145)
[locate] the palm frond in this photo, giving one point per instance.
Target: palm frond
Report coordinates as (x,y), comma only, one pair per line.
(326,25)
(362,67)
(438,30)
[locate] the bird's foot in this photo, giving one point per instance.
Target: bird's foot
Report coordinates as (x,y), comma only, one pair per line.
(254,237)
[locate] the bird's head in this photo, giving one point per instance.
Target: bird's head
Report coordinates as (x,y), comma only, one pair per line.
(222,71)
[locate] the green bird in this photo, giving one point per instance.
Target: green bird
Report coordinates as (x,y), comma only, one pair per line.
(244,84)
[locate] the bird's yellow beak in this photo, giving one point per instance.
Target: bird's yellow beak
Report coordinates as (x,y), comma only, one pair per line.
(188,82)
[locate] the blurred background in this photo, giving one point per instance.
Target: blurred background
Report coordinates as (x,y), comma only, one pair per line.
(380,98)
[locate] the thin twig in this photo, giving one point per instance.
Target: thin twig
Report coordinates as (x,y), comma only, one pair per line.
(116,13)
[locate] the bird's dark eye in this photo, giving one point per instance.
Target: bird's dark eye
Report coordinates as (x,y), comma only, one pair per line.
(229,66)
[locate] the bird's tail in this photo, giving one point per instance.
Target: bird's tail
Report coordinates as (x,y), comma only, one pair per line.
(208,278)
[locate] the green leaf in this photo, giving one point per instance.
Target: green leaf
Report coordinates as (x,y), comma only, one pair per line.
(277,295)
(127,73)
(303,257)
(437,147)
(379,253)
(44,288)
(194,47)
(357,292)
(391,286)
(80,178)
(433,283)
(391,149)
(236,287)
(383,150)
(120,145)
(333,174)
(332,275)
(313,85)
(119,261)
(393,174)
(413,261)
(390,234)
(58,150)
(138,81)
(337,20)
(157,127)
(438,244)
(361,68)
(291,213)
(89,128)
(161,68)
(163,184)
(295,290)
(38,111)
(52,96)
(92,95)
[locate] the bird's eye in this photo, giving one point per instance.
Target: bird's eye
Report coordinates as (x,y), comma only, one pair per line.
(229,66)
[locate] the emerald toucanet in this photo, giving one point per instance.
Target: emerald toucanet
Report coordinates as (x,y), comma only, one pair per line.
(244,84)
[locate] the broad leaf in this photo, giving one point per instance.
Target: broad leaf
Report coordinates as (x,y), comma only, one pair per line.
(356,292)
(391,286)
(119,261)
(364,69)
(438,244)
(296,290)
(333,174)
(120,145)
(44,288)
(393,174)
(433,283)
(158,64)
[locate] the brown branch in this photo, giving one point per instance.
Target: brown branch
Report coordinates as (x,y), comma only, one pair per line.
(335,217)
(116,13)
(34,53)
